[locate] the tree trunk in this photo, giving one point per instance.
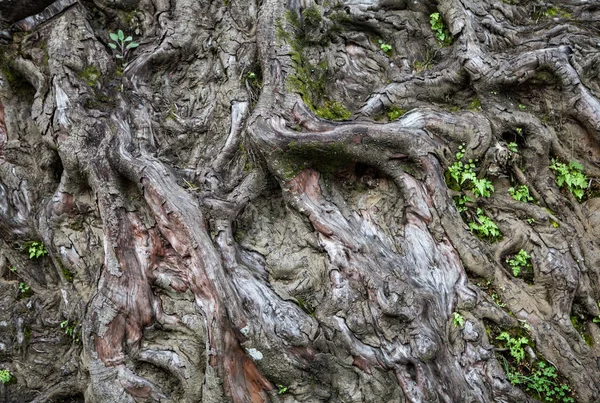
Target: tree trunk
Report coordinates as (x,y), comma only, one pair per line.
(263,202)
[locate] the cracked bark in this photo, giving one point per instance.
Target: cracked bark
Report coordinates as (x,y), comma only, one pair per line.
(210,239)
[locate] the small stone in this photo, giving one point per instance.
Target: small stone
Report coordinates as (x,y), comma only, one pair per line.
(254,354)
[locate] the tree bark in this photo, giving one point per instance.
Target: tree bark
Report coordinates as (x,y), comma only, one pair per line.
(255,204)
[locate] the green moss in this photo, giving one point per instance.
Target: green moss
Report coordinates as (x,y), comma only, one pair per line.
(333,111)
(475,105)
(394,112)
(103,103)
(581,327)
(77,224)
(577,324)
(309,79)
(66,273)
(27,333)
(248,165)
(292,18)
(130,18)
(18,84)
(311,16)
(280,33)
(340,17)
(325,157)
(90,75)
(544,77)
(552,12)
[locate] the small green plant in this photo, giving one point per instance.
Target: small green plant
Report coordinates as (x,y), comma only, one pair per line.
(24,288)
(251,76)
(439,28)
(520,194)
(541,382)
(5,376)
(282,389)
(497,300)
(520,261)
(512,146)
(461,203)
(571,175)
(70,329)
(515,345)
(458,320)
(521,106)
(387,48)
(482,187)
(121,44)
(484,227)
(13,269)
(462,172)
(35,249)
(465,172)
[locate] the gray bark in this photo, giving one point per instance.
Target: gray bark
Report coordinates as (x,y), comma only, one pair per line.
(210,238)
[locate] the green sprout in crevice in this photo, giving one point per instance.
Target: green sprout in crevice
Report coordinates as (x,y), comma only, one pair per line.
(572,176)
(122,45)
(5,376)
(439,29)
(385,47)
(458,320)
(484,227)
(526,369)
(521,194)
(520,261)
(35,249)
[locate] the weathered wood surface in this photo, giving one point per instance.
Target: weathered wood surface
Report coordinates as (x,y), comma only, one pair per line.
(210,239)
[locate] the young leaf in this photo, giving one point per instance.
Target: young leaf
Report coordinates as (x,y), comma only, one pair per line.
(118,56)
(128,39)
(121,35)
(114,36)
(112,45)
(132,45)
